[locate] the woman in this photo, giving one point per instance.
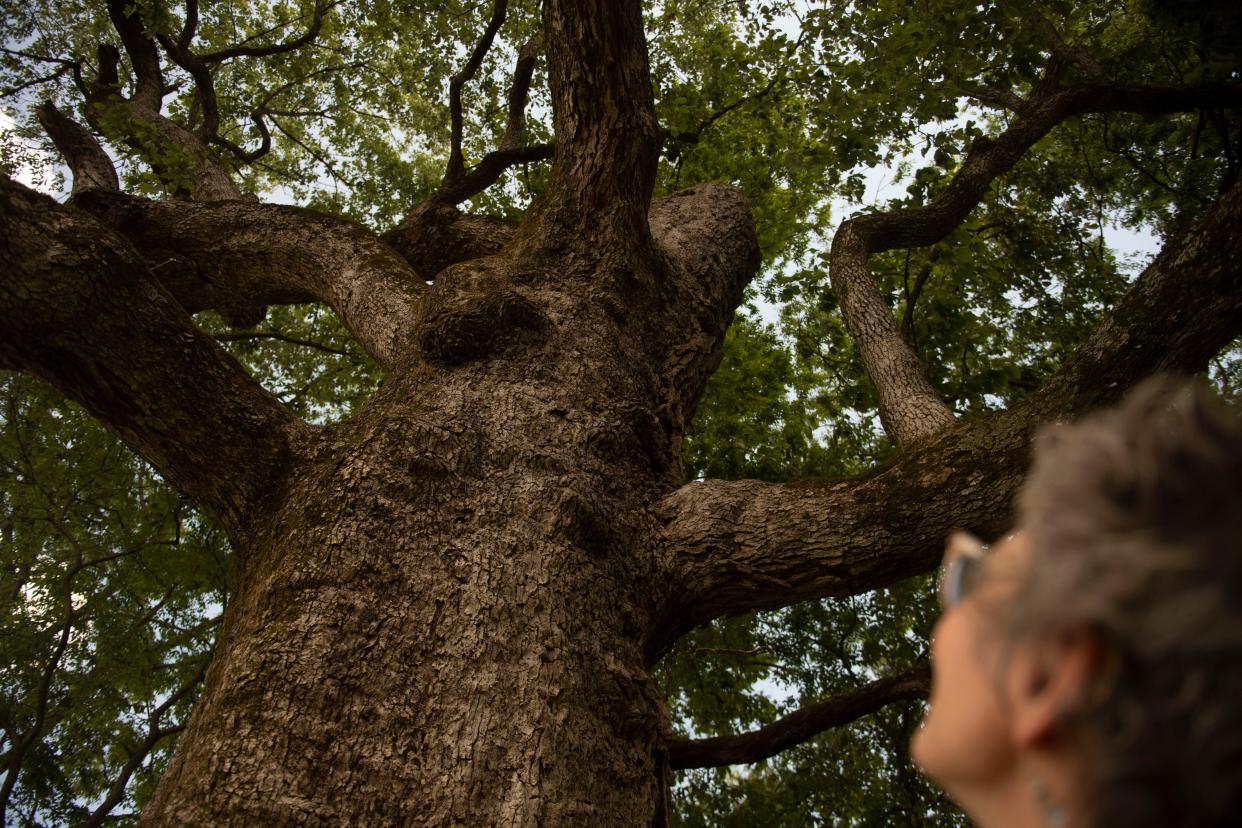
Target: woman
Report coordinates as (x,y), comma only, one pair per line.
(1087,670)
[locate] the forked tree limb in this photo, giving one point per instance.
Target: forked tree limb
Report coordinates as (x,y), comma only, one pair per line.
(91,167)
(143,57)
(239,257)
(732,547)
(488,171)
(265,140)
(138,120)
(436,234)
(910,408)
(200,67)
(460,184)
(801,725)
(79,309)
(456,165)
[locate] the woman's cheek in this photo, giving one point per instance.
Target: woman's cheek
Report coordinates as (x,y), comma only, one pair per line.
(963,737)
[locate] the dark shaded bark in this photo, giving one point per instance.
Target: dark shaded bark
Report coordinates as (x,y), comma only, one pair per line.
(90,165)
(708,240)
(453,599)
(238,257)
(801,725)
(79,309)
(440,619)
(607,137)
(437,235)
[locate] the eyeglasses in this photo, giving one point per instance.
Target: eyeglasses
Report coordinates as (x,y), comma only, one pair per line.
(962,567)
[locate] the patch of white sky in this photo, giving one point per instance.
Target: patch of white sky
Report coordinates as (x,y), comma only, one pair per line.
(34,159)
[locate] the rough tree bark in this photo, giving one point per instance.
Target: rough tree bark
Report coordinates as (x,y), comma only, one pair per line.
(445,608)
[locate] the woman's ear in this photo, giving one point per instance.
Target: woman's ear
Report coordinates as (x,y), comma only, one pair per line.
(1047,680)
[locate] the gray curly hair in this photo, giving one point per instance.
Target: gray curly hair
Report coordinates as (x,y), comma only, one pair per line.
(1135,521)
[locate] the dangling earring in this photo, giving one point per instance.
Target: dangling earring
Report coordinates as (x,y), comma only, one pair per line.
(1055,815)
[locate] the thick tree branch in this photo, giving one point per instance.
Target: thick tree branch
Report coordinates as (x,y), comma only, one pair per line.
(435,234)
(204,84)
(607,137)
(190,29)
(519,91)
(143,57)
(910,409)
(707,236)
(801,725)
(91,167)
(238,257)
(79,309)
(737,546)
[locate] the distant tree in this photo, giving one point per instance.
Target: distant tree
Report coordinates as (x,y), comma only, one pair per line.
(420,520)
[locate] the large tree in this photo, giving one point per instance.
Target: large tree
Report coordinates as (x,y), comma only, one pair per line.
(450,604)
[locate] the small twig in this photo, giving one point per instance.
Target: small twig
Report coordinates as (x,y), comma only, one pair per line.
(312,32)
(235,337)
(13,90)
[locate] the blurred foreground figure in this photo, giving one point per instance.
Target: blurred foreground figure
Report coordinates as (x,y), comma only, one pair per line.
(1087,669)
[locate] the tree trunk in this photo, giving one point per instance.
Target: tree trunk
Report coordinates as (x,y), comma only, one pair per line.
(444,622)
(445,608)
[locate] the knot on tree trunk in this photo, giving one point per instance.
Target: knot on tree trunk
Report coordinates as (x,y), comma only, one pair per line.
(476,311)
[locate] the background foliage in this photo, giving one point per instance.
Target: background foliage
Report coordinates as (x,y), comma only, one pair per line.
(110,584)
